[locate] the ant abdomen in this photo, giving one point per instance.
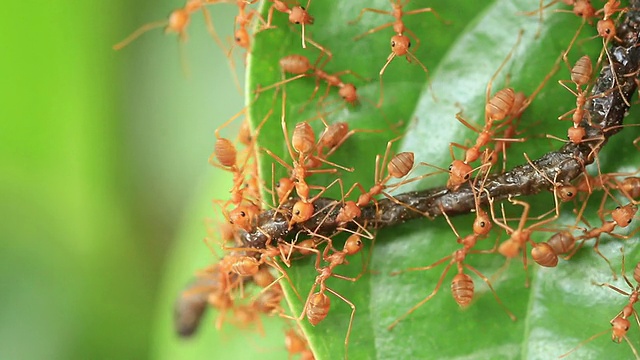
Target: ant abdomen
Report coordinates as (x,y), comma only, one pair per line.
(462,289)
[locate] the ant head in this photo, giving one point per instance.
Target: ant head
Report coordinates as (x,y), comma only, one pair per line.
(576,134)
(353,245)
(620,328)
(584,9)
(242,216)
(299,15)
(301,212)
(349,212)
(459,172)
(244,134)
(567,192)
(242,39)
(623,215)
(400,44)
(606,29)
(348,93)
(482,224)
(178,21)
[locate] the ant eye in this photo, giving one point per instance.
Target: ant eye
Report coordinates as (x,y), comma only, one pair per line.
(617,207)
(297,212)
(243,214)
(482,224)
(297,22)
(466,177)
(393,43)
(450,167)
(409,44)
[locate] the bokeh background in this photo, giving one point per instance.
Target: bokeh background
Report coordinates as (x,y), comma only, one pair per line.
(104,162)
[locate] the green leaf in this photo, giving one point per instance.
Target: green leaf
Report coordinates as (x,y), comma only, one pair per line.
(461,57)
(561,307)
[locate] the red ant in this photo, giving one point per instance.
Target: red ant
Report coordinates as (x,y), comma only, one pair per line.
(462,287)
(580,75)
(215,285)
(621,217)
(581,8)
(546,253)
(300,66)
(297,344)
(333,136)
(397,167)
(620,323)
(318,303)
(630,187)
(400,43)
(243,19)
(297,15)
(303,142)
(606,27)
(497,108)
(520,104)
(226,155)
(177,22)
(520,236)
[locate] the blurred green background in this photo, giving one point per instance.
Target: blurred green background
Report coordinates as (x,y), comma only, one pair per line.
(102,153)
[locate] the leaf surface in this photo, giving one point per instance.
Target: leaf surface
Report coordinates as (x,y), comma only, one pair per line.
(561,307)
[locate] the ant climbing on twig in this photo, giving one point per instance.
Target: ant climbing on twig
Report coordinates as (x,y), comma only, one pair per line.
(462,287)
(397,167)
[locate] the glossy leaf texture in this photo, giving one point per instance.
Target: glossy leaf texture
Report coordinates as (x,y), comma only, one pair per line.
(561,307)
